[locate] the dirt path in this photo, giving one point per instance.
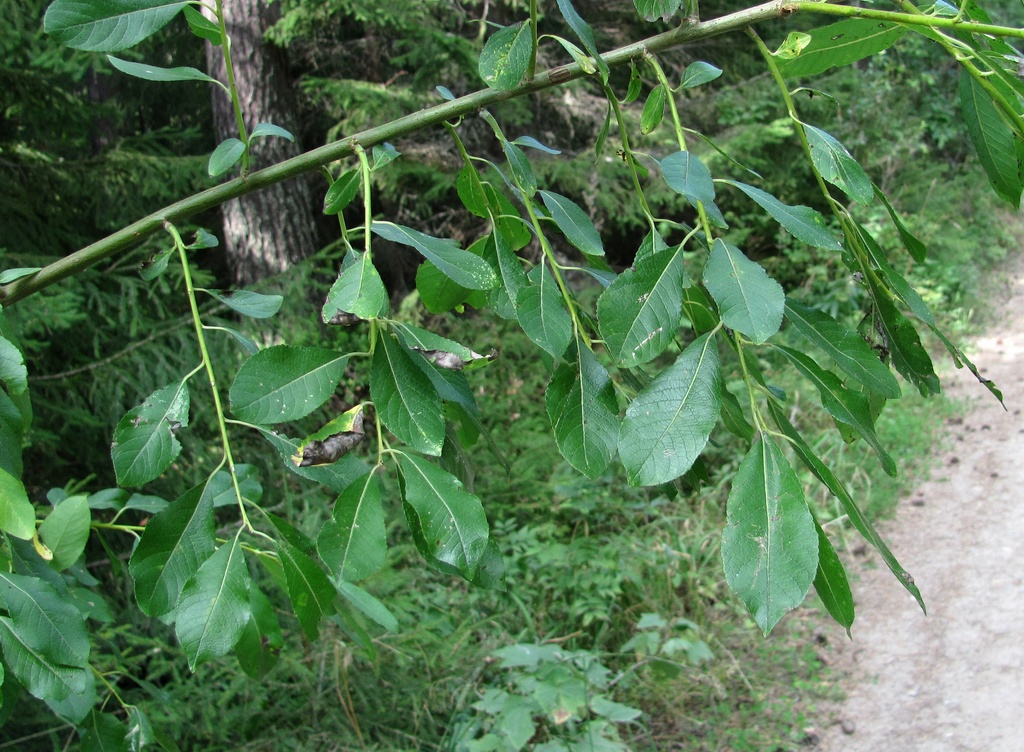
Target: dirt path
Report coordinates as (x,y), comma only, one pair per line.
(953,680)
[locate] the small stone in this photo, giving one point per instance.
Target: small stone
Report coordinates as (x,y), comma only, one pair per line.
(918,502)
(849,726)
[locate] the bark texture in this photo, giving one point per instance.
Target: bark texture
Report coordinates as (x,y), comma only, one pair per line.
(268,231)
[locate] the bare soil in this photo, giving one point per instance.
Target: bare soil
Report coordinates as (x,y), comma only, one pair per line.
(953,680)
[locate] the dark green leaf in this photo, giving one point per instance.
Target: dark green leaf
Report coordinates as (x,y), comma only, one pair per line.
(311,592)
(12,367)
(358,290)
(156,265)
(849,351)
(283,383)
(522,172)
(202,27)
(17,515)
(225,156)
(831,584)
(699,309)
(261,639)
(639,312)
(405,399)
(214,606)
(103,732)
(368,605)
(583,410)
(107,25)
(769,545)
(915,247)
(654,110)
(203,240)
(655,10)
(574,223)
(140,731)
(341,192)
(510,270)
(668,424)
(542,312)
(904,345)
(448,524)
(802,222)
(838,166)
(336,476)
(175,543)
(144,442)
(462,267)
(247,303)
(66,530)
(699,73)
(353,542)
(689,177)
(153,73)
(841,44)
(732,415)
(437,291)
(584,33)
(506,57)
(490,574)
(384,154)
(748,299)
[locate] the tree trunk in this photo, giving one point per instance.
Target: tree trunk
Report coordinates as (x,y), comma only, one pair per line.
(268,231)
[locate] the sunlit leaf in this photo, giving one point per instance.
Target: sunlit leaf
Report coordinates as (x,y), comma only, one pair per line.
(341,192)
(838,166)
(17,515)
(802,222)
(12,368)
(462,267)
(841,44)
(107,25)
(749,301)
(283,383)
(506,57)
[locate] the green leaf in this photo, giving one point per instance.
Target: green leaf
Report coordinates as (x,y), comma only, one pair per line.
(830,481)
(794,44)
(103,732)
(519,164)
(845,405)
(12,367)
(247,344)
(264,130)
(510,270)
(654,110)
(341,192)
(283,383)
(203,240)
(749,301)
(225,156)
(639,312)
(614,711)
(155,265)
(583,410)
(915,247)
(654,10)
(202,27)
(849,351)
(831,584)
(840,44)
(584,33)
(140,731)
(542,312)
(384,154)
(490,574)
(668,424)
(471,191)
(214,606)
(769,545)
(144,442)
(838,166)
(505,58)
(689,177)
(107,25)
(436,289)
(904,345)
(574,223)
(732,415)
(699,73)
(9,275)
(358,290)
(999,148)
(802,222)
(368,605)
(535,144)
(66,530)
(578,56)
(311,592)
(176,541)
(353,542)
(261,640)
(154,73)
(337,476)
(462,267)
(17,515)
(43,639)
(448,524)
(248,303)
(405,399)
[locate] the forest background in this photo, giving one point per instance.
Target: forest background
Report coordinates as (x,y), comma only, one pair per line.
(612,590)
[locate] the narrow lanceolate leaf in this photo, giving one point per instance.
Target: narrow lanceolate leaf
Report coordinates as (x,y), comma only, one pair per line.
(689,177)
(847,349)
(769,545)
(749,301)
(107,25)
(214,606)
(310,591)
(584,33)
(845,405)
(667,426)
(225,156)
(841,44)
(405,399)
(358,290)
(574,223)
(506,57)
(43,638)
(583,410)
(901,339)
(833,484)
(657,10)
(462,267)
(802,222)
(831,584)
(66,530)
(838,166)
(448,523)
(639,312)
(998,148)
(353,542)
(249,303)
(522,171)
(176,542)
(917,250)
(154,73)
(144,442)
(283,383)
(542,312)
(17,515)
(368,605)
